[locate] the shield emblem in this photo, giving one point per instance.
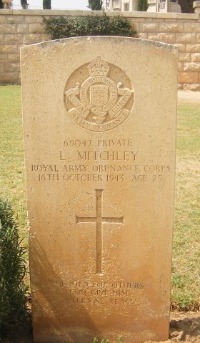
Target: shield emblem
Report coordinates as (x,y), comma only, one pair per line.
(99,95)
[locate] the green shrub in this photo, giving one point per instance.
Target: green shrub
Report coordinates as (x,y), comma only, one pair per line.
(104,340)
(61,27)
(12,271)
(142,5)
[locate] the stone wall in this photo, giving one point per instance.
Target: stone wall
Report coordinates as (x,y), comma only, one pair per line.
(22,27)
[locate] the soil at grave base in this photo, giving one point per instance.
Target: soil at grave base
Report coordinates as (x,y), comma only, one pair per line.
(184,327)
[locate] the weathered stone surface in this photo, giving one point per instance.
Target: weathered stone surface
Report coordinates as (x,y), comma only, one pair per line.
(10,78)
(28,22)
(192,66)
(180,86)
(2,57)
(195,57)
(45,37)
(163,37)
(14,19)
(171,27)
(184,57)
(186,38)
(11,67)
(142,35)
(32,38)
(188,77)
(191,27)
(13,39)
(181,47)
(33,19)
(7,28)
(139,20)
(153,18)
(2,19)
(100,161)
(8,48)
(149,27)
(192,48)
(181,66)
(192,87)
(13,58)
(36,28)
(22,28)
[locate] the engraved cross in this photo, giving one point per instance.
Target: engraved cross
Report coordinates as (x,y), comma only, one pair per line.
(99,220)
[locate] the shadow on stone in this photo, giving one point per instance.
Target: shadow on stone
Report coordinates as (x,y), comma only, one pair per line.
(57,316)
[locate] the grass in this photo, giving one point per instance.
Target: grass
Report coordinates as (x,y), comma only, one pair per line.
(104,340)
(12,184)
(186,253)
(186,257)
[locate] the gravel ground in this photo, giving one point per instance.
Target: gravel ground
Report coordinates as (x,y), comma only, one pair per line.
(184,327)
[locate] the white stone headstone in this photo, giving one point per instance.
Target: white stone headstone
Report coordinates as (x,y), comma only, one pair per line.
(99,126)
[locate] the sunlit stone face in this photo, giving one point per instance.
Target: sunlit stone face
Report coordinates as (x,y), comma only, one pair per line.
(99,128)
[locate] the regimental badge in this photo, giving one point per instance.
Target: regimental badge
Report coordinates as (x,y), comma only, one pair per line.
(98,96)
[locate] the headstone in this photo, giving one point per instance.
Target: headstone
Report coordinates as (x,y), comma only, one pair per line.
(99,123)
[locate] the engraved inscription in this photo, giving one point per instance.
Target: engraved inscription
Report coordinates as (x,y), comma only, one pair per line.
(99,220)
(106,293)
(101,101)
(102,160)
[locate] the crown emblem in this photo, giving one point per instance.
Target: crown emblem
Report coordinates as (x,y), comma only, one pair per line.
(98,68)
(100,102)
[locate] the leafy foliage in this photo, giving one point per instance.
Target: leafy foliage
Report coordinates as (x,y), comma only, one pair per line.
(186,6)
(47,4)
(142,5)
(104,340)
(12,270)
(62,27)
(95,5)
